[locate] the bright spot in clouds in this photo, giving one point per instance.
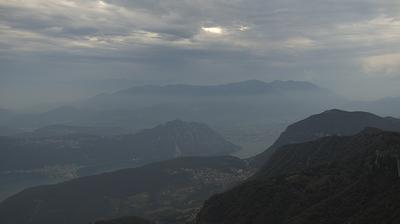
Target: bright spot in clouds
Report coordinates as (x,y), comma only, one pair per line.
(101,4)
(215,29)
(243,28)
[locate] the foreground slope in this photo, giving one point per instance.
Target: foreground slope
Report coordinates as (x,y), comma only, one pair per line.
(170,191)
(125,220)
(328,123)
(332,180)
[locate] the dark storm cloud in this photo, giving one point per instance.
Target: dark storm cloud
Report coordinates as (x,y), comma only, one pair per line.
(198,41)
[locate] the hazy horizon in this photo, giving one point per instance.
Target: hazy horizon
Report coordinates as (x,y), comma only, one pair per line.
(62,51)
(199,111)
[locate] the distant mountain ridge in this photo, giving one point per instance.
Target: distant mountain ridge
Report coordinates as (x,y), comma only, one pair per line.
(237,88)
(139,107)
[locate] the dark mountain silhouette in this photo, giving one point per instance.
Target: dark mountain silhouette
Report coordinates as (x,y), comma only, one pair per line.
(170,191)
(125,220)
(328,123)
(331,180)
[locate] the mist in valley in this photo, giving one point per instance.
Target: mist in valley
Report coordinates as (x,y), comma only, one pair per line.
(199,112)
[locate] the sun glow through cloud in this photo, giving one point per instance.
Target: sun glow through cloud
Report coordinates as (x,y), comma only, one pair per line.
(214,29)
(101,4)
(243,28)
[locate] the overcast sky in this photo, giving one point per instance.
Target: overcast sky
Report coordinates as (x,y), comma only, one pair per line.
(64,50)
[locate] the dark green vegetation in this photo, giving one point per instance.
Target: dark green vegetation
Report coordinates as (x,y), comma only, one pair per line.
(328,123)
(125,220)
(330,180)
(170,191)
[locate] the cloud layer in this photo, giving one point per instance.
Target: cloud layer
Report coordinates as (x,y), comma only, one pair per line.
(334,43)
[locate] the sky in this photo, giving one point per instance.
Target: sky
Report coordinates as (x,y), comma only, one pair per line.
(60,51)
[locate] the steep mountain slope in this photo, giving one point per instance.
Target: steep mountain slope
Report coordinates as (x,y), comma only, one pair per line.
(330,181)
(170,191)
(331,122)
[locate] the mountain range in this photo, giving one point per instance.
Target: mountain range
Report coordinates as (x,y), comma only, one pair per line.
(241,111)
(47,155)
(172,192)
(239,88)
(140,107)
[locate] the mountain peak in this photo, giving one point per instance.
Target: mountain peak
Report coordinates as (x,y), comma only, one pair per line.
(328,123)
(182,138)
(335,111)
(180,125)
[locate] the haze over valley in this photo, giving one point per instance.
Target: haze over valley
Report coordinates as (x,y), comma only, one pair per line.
(199,112)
